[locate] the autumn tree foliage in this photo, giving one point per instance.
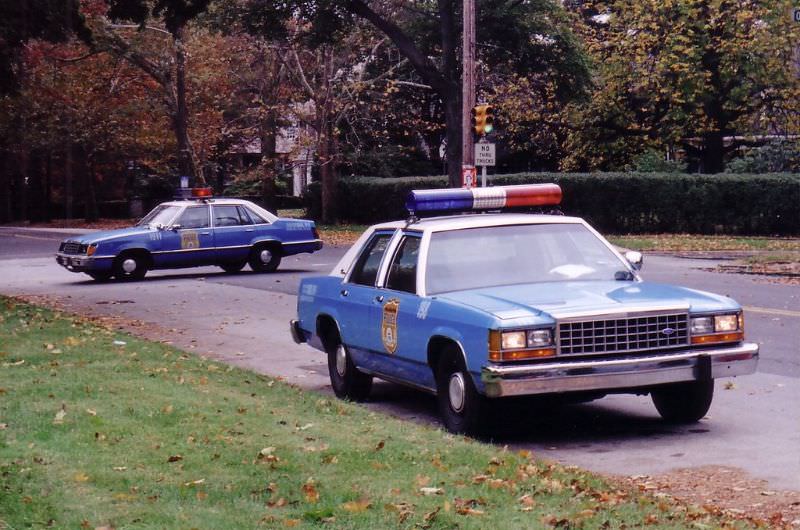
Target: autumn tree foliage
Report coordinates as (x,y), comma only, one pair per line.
(702,76)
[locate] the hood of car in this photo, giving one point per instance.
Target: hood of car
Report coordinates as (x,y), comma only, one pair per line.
(544,301)
(97,237)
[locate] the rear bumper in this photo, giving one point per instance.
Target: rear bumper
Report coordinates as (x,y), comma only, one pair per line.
(611,374)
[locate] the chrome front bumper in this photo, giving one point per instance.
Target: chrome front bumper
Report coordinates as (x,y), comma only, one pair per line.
(614,374)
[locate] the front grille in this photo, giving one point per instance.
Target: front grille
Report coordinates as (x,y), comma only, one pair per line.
(74,248)
(629,334)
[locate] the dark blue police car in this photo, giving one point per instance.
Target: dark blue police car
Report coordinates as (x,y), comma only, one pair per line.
(229,233)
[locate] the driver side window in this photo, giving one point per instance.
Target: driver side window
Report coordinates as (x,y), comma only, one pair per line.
(194,217)
(403,270)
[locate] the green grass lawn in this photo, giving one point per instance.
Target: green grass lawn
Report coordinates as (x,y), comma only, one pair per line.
(102,430)
(690,242)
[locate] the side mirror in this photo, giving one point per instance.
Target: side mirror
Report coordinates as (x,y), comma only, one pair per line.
(175,228)
(636,259)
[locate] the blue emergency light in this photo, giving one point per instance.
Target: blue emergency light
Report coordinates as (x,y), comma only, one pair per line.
(460,200)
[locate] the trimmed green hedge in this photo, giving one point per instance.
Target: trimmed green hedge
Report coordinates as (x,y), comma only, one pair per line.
(622,203)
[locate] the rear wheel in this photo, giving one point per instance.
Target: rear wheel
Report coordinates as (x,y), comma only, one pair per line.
(348,382)
(265,258)
(684,402)
(461,407)
(130,266)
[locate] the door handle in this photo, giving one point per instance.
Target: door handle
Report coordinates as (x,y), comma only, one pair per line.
(379,298)
(205,233)
(344,292)
(249,229)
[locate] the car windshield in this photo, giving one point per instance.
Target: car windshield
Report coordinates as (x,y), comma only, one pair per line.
(160,215)
(506,255)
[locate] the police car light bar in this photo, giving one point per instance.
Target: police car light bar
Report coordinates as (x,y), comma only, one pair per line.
(454,200)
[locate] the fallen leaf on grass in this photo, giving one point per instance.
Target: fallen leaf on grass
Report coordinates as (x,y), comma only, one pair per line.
(194,482)
(403,510)
(59,418)
(91,412)
(80,477)
(431,491)
(357,506)
(120,468)
(174,458)
(310,491)
(290,523)
(528,502)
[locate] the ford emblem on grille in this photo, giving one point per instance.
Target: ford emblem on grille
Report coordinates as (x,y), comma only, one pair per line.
(668,331)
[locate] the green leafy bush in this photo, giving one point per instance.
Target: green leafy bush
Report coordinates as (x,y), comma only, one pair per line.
(613,202)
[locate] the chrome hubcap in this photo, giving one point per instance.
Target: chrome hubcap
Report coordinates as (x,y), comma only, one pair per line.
(265,256)
(341,360)
(129,265)
(456,391)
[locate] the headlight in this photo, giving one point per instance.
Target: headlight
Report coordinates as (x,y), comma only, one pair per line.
(538,338)
(513,340)
(521,345)
(717,328)
(724,323)
(702,325)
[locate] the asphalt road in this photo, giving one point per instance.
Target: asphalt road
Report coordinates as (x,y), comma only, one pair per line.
(754,423)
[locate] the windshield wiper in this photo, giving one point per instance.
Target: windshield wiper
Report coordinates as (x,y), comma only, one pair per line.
(623,276)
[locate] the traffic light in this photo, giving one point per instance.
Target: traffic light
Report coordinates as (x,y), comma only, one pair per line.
(482,119)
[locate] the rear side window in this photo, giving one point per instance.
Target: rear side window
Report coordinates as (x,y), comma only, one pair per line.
(365,271)
(257,219)
(226,216)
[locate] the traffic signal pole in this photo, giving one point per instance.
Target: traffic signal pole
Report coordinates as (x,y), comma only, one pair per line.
(468,86)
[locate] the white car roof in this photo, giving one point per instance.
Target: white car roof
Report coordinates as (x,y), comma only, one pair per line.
(452,222)
(269,216)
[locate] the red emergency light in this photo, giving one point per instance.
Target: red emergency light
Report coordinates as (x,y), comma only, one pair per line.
(202,193)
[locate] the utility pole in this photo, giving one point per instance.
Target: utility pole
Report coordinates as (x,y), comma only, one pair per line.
(468,90)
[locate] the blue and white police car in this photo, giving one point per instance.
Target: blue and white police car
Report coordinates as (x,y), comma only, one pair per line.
(229,233)
(474,308)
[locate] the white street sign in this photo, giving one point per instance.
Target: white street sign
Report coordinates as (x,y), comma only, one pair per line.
(796,14)
(484,154)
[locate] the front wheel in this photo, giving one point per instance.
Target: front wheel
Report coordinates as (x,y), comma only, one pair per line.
(684,402)
(130,267)
(348,382)
(265,258)
(461,407)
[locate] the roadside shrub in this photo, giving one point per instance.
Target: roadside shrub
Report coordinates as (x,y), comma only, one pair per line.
(613,202)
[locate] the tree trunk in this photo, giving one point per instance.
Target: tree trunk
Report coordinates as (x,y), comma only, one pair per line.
(713,157)
(90,187)
(268,162)
(47,212)
(180,118)
(22,186)
(451,96)
(5,187)
(452,115)
(68,183)
(325,127)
